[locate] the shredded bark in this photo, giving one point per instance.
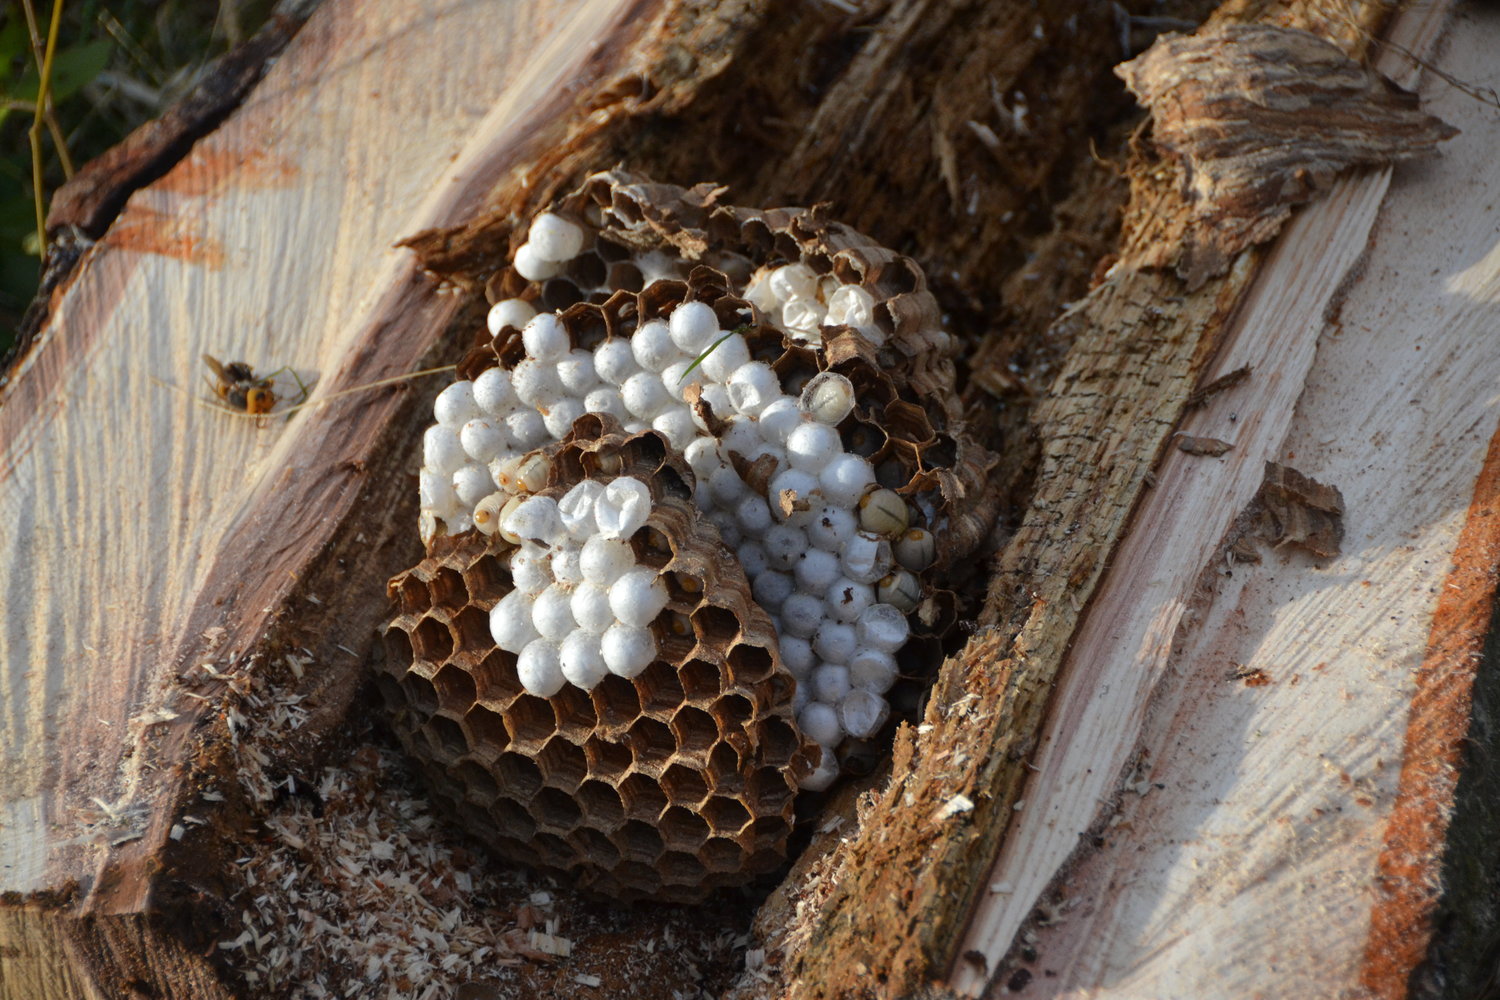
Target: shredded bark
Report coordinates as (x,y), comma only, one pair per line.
(1260,118)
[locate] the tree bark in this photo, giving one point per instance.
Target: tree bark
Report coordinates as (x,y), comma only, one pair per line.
(1125,717)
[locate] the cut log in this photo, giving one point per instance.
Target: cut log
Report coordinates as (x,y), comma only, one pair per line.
(186,797)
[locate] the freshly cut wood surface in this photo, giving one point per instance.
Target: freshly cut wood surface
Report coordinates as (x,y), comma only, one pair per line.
(148,535)
(1243,784)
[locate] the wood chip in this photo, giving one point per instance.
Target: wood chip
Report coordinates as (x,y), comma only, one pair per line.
(1212,447)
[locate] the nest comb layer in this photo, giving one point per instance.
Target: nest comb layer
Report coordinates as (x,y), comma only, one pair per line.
(664,786)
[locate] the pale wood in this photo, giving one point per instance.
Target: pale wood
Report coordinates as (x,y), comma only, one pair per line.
(145,533)
(1243,827)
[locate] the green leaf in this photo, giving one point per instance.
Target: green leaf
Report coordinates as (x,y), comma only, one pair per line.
(75,67)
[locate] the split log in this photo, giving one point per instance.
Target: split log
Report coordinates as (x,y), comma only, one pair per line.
(192,632)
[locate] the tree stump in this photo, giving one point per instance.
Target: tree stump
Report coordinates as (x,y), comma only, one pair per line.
(1205,736)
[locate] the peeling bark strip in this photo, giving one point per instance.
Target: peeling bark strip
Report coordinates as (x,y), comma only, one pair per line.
(1401,922)
(1263,118)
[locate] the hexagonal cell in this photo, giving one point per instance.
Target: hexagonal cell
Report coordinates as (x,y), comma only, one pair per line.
(486,729)
(733,711)
(684,785)
(602,806)
(715,627)
(749,665)
(642,797)
(530,720)
(447,589)
(720,854)
(495,677)
(455,688)
(725,815)
(616,704)
(563,764)
(652,547)
(767,831)
(724,769)
(684,588)
(552,849)
(519,776)
(555,809)
(700,680)
(682,868)
(411,594)
(768,791)
(432,641)
(574,709)
(480,783)
(487,581)
(651,742)
(660,690)
(398,651)
(471,630)
(446,735)
(639,841)
(608,761)
(420,694)
(683,830)
(779,736)
(595,846)
(510,820)
(695,730)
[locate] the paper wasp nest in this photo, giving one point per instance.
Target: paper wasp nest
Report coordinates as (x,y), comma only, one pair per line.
(689,510)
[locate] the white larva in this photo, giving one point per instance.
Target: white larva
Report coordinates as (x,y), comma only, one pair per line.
(834,641)
(827,398)
(533,266)
(508,313)
(882,627)
(873,669)
(603,560)
(851,305)
(644,395)
(539,668)
(493,393)
(622,509)
(560,416)
(575,370)
(793,281)
(487,512)
(455,405)
(614,362)
(638,596)
(845,478)
(676,424)
(472,483)
(535,519)
(693,326)
(510,622)
(551,237)
(801,614)
(552,614)
(820,723)
(730,354)
(816,570)
(652,346)
(526,428)
(811,446)
(627,650)
(590,607)
(862,712)
(830,683)
(847,600)
(582,659)
(823,775)
(442,452)
(483,439)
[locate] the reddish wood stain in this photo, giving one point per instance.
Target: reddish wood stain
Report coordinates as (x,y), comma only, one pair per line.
(1408,886)
(207,172)
(148,231)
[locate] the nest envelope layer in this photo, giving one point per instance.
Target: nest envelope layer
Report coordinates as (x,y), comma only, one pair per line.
(682,779)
